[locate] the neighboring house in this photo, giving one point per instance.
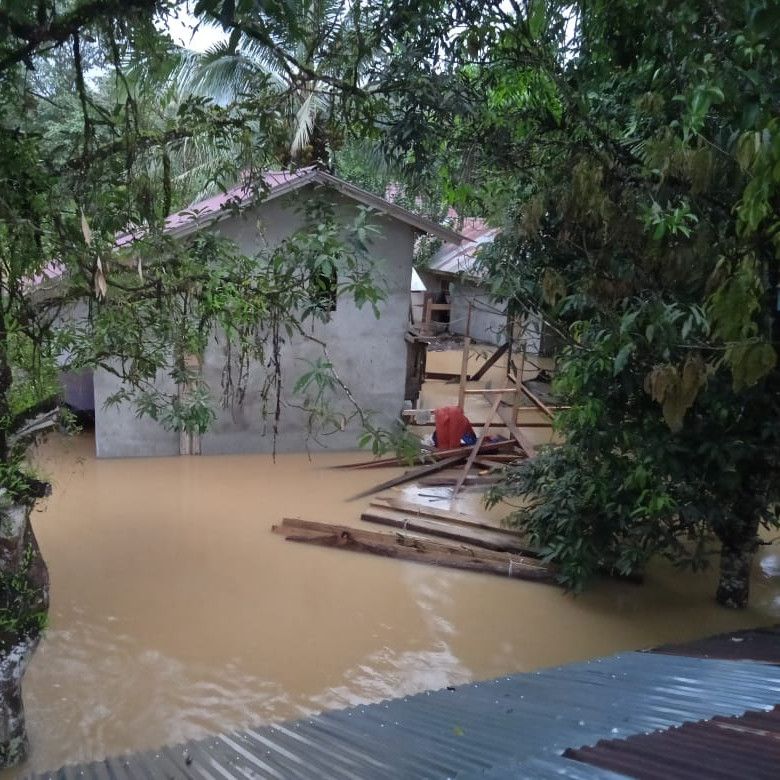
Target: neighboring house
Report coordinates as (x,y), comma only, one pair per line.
(369,354)
(452,274)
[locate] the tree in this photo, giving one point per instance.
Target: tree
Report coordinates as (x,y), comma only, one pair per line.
(636,145)
(311,55)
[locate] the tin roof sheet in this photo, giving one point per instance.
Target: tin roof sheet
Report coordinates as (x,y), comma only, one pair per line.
(757,644)
(274,184)
(517,724)
(745,746)
(461,260)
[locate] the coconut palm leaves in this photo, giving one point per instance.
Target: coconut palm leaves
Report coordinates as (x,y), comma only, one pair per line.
(310,60)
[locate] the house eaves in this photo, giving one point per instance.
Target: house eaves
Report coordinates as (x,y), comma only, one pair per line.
(277,184)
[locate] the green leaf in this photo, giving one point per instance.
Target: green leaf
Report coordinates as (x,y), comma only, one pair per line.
(622,358)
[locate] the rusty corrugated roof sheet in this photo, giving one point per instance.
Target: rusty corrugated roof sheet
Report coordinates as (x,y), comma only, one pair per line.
(756,644)
(720,748)
(516,726)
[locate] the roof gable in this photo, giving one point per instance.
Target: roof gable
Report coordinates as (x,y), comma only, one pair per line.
(278,183)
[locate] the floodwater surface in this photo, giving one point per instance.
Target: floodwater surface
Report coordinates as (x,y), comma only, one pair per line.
(177,613)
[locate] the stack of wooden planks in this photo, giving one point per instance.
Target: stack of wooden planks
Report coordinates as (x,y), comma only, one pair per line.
(437,536)
(485,454)
(414,547)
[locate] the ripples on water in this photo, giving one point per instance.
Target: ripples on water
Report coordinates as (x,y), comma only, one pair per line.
(176,613)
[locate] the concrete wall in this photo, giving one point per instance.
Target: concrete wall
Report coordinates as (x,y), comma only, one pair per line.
(488,318)
(369,354)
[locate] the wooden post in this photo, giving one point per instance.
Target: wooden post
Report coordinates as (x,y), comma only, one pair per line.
(464,365)
(427,324)
(518,385)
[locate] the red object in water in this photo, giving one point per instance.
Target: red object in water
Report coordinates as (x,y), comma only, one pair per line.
(451,426)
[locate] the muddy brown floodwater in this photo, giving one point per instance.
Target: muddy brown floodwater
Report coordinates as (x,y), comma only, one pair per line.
(176,613)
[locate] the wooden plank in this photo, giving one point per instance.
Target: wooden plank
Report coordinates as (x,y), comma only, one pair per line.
(534,424)
(490,362)
(489,463)
(411,539)
(409,476)
(404,547)
(475,451)
(418,510)
(472,480)
(536,401)
(477,537)
(464,362)
(489,391)
(525,443)
(493,446)
(443,375)
(464,369)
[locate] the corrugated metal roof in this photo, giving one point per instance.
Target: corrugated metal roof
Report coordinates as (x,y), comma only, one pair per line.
(460,260)
(516,726)
(757,644)
(746,746)
(274,184)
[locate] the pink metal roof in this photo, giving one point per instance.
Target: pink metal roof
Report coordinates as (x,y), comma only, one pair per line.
(210,208)
(273,184)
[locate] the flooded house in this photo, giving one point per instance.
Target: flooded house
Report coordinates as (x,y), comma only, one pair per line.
(452,276)
(370,354)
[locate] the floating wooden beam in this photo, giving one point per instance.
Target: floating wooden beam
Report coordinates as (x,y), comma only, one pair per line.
(493,446)
(410,476)
(439,513)
(534,424)
(489,540)
(472,480)
(404,547)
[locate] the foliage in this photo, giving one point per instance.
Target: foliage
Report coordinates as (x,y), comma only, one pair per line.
(641,156)
(20,612)
(97,146)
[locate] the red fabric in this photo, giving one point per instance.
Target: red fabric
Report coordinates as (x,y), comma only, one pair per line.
(451,426)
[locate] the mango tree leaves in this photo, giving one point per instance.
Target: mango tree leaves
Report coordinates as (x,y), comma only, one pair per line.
(675,389)
(553,286)
(736,301)
(750,361)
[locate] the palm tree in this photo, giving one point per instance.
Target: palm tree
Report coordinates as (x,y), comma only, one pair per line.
(309,59)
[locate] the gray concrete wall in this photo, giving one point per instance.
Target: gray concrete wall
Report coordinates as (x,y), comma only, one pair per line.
(488,318)
(369,354)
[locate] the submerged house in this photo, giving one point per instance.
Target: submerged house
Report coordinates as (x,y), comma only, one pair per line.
(452,275)
(370,354)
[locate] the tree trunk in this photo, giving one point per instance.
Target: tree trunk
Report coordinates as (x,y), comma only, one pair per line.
(736,558)
(14,743)
(24,597)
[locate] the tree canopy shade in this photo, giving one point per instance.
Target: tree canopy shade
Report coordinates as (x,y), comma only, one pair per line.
(633,147)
